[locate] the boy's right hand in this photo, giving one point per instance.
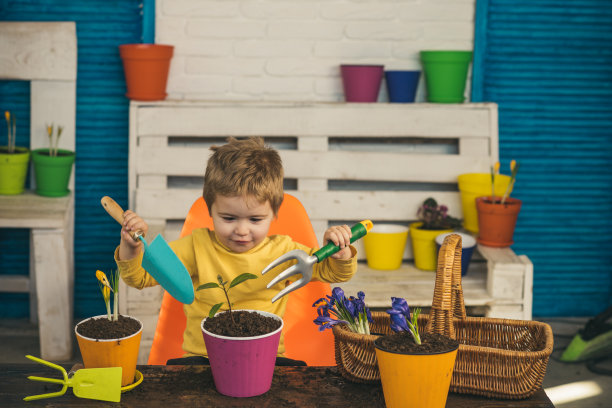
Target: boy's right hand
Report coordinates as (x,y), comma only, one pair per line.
(130,248)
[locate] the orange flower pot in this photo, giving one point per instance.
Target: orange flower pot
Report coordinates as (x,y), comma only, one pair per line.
(496,222)
(146,68)
(121,352)
(415,380)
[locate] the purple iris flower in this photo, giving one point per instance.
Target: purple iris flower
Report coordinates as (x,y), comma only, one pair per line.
(337,308)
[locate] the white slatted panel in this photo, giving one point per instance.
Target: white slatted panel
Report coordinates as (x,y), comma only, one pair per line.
(370,152)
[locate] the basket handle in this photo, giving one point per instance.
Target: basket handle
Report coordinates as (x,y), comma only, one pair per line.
(448,293)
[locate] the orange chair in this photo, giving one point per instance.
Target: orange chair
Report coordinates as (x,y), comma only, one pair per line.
(303,341)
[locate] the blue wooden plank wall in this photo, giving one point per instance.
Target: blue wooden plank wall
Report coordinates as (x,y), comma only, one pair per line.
(548,64)
(101,137)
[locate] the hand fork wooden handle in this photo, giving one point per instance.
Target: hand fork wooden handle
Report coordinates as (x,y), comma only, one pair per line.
(305,262)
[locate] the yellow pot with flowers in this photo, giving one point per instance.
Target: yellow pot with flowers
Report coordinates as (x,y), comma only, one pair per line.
(111,340)
(433,221)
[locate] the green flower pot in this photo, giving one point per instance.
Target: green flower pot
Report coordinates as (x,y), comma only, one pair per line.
(13,170)
(445,75)
(52,173)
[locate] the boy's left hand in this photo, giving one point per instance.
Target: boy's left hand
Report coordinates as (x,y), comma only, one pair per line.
(340,235)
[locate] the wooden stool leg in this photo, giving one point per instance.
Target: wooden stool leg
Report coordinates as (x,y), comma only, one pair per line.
(52,273)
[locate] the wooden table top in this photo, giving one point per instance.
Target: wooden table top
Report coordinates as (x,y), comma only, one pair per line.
(193,386)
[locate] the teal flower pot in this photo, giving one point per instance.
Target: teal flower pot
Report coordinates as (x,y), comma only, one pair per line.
(52,173)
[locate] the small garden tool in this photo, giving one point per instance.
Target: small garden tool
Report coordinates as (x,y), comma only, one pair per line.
(102,384)
(158,259)
(305,262)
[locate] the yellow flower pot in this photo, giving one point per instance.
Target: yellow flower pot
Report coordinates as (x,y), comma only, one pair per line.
(424,246)
(121,352)
(415,380)
(384,246)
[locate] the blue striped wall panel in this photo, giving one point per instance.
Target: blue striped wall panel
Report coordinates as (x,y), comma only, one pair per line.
(548,65)
(101,137)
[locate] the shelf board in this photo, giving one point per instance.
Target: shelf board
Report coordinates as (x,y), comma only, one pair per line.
(413,284)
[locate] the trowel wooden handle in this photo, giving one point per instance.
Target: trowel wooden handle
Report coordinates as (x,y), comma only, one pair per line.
(114,210)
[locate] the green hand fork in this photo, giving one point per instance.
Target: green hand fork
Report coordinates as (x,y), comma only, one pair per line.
(305,262)
(94,383)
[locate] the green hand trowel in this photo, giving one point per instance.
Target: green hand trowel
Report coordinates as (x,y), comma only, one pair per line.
(158,260)
(102,384)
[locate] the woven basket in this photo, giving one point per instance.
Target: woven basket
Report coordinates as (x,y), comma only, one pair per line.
(497,358)
(355,355)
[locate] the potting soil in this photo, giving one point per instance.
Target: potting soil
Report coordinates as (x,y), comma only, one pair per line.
(402,342)
(103,329)
(243,324)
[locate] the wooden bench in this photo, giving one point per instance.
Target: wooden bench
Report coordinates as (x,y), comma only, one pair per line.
(44,53)
(345,162)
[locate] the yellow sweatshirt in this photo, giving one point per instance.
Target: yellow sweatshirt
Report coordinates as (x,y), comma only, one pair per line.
(205,257)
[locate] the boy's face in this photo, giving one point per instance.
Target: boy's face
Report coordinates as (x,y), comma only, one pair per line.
(241,223)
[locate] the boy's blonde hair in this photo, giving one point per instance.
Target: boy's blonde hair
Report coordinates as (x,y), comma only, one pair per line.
(244,167)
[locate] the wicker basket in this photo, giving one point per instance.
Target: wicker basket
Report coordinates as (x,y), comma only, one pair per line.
(497,358)
(355,355)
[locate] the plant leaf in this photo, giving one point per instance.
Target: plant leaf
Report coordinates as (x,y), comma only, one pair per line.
(208,285)
(214,309)
(241,278)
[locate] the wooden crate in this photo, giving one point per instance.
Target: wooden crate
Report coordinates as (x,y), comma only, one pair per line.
(346,163)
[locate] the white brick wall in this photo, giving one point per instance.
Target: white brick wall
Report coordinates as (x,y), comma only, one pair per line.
(292,49)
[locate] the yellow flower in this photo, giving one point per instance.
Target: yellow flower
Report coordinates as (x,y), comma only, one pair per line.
(496,168)
(50,130)
(106,293)
(7,115)
(512,165)
(103,279)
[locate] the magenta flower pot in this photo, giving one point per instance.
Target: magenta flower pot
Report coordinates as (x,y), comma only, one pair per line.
(242,366)
(361,83)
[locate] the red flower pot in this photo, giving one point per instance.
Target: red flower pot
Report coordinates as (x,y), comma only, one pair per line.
(496,221)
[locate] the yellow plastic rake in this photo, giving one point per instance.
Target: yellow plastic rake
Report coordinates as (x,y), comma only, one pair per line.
(94,383)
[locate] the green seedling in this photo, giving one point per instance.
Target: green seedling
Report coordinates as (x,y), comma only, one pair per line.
(222,285)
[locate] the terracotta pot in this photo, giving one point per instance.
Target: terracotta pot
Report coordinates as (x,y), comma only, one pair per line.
(146,68)
(496,221)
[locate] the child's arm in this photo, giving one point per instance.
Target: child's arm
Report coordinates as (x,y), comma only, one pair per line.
(340,235)
(129,248)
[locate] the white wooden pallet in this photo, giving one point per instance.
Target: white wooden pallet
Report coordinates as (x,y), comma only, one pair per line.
(45,53)
(346,163)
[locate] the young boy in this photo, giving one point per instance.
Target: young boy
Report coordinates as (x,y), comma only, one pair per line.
(243,189)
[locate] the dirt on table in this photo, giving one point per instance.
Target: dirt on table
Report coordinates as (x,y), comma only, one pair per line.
(103,329)
(402,342)
(241,323)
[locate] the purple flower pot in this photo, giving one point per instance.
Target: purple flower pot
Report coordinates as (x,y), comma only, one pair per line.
(361,82)
(243,366)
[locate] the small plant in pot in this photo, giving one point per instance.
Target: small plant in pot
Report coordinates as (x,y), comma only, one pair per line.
(414,366)
(433,221)
(497,215)
(53,166)
(14,160)
(241,344)
(110,340)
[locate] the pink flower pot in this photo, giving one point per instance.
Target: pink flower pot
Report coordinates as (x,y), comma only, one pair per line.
(243,366)
(361,82)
